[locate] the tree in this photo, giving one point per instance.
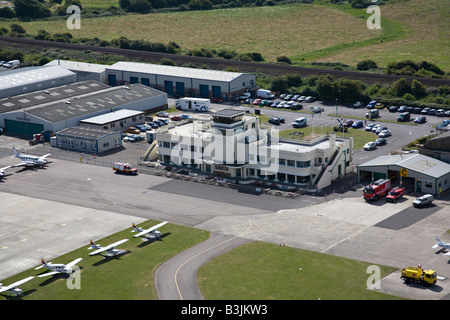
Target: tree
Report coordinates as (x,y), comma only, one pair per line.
(279,84)
(401,87)
(326,87)
(418,89)
(366,65)
(200,5)
(31,9)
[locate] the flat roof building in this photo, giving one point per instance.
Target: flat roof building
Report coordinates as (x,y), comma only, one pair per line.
(83,70)
(116,120)
(33,113)
(29,79)
(181,81)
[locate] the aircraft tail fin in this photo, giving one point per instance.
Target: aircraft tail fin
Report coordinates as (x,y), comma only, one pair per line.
(135,228)
(16,153)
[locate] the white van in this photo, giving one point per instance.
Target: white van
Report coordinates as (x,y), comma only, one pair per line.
(299,122)
(264,94)
(11,63)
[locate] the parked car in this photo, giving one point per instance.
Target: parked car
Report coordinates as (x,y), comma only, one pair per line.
(380,141)
(294,98)
(369,127)
(417,110)
(133,130)
(370,146)
(141,127)
(440,112)
(162,114)
(395,194)
(274,104)
(256,102)
(432,112)
(385,133)
(404,117)
(216,100)
(310,99)
(176,118)
(447,113)
(358,124)
(318,109)
(299,122)
(297,106)
(371,104)
(393,108)
(379,105)
(423,201)
(347,123)
(301,98)
(376,127)
(402,108)
(275,121)
(358,104)
(409,109)
(288,97)
(425,111)
(420,119)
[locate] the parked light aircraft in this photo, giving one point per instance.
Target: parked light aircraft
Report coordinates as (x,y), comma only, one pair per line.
(29,160)
(110,250)
(3,171)
(13,288)
(58,268)
(148,233)
(442,245)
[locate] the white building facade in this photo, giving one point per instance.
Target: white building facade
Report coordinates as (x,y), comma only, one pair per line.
(234,145)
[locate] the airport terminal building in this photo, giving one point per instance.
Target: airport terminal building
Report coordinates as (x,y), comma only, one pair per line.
(233,145)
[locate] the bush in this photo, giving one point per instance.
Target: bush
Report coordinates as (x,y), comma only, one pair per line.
(284,59)
(366,65)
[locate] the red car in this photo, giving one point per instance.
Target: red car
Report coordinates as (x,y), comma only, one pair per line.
(257,101)
(216,100)
(348,123)
(176,118)
(395,194)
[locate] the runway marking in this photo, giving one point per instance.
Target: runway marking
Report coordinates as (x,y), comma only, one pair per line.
(176,272)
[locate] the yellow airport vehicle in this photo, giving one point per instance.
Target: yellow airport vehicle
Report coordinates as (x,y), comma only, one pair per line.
(418,275)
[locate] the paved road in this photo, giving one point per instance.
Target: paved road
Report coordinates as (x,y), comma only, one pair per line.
(177,278)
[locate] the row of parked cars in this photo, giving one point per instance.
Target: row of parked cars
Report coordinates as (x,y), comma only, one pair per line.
(416,110)
(381,131)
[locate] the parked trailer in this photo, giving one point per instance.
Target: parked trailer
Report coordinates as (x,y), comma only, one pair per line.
(193,104)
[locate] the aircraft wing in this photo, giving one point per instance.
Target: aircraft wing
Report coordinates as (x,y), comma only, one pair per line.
(108,247)
(5,168)
(15,284)
(435,246)
(44,156)
(447,254)
(150,230)
(47,274)
(74,262)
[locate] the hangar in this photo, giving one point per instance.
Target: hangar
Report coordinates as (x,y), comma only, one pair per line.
(415,172)
(63,107)
(29,79)
(83,70)
(181,81)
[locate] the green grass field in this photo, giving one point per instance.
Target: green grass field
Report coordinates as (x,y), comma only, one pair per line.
(263,271)
(129,277)
(414,29)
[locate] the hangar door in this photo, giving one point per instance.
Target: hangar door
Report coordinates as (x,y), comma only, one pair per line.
(204,91)
(25,128)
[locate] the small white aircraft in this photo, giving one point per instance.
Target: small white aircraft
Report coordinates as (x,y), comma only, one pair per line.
(148,233)
(442,245)
(57,268)
(13,288)
(3,171)
(110,250)
(29,160)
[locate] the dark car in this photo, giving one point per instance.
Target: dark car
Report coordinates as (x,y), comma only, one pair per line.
(417,110)
(380,141)
(275,120)
(358,104)
(420,119)
(358,124)
(432,112)
(402,108)
(176,118)
(274,104)
(409,109)
(216,100)
(297,106)
(393,108)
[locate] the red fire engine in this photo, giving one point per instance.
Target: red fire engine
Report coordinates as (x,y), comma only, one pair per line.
(376,190)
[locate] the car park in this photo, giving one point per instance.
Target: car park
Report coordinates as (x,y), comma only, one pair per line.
(380,141)
(358,124)
(370,146)
(358,104)
(385,133)
(393,108)
(420,119)
(422,201)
